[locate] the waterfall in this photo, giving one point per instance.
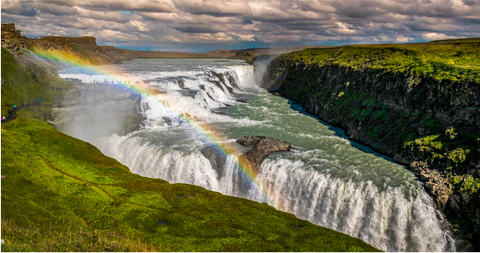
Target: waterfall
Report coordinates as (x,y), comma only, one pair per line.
(392,219)
(391,216)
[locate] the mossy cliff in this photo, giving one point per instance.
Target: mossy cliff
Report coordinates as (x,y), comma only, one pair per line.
(63,194)
(418,103)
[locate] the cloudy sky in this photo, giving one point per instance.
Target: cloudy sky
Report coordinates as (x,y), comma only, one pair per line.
(199,26)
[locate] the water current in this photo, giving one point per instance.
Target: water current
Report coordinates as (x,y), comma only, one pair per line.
(326,179)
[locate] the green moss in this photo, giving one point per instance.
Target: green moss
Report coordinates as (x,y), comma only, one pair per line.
(471,184)
(375,132)
(431,123)
(450,132)
(458,155)
(383,114)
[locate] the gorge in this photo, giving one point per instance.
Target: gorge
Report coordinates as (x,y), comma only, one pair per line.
(325,179)
(179,120)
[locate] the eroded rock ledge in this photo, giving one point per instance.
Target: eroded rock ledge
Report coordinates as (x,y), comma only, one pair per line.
(263,146)
(435,184)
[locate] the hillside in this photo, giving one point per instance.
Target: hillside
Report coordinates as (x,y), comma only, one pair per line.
(418,103)
(63,194)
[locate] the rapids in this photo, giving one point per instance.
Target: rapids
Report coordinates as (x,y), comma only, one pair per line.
(325,179)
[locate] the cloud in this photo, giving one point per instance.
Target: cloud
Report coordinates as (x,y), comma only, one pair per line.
(111,35)
(244,37)
(160,6)
(140,26)
(54,8)
(101,15)
(214,8)
(344,29)
(211,24)
(436,36)
(197,28)
(402,38)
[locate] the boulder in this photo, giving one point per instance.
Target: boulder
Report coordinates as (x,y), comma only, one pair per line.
(263,146)
(435,183)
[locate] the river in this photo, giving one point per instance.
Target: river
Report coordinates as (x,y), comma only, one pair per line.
(325,178)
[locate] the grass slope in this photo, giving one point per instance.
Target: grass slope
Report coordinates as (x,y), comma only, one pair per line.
(62,194)
(25,84)
(452,60)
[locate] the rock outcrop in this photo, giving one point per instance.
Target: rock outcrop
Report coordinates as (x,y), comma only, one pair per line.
(262,147)
(83,48)
(435,183)
(12,38)
(88,40)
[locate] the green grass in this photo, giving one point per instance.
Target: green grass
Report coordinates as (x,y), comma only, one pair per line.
(451,60)
(24,84)
(62,194)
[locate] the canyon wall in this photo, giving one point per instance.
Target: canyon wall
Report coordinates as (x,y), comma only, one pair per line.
(428,123)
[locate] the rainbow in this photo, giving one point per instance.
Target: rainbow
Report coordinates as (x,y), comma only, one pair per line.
(208,135)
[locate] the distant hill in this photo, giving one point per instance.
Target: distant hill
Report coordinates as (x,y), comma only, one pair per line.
(86,50)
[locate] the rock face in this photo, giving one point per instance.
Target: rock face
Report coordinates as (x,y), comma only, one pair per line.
(435,184)
(77,40)
(11,38)
(84,48)
(263,146)
(403,116)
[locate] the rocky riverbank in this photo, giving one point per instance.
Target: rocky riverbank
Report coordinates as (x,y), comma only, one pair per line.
(428,122)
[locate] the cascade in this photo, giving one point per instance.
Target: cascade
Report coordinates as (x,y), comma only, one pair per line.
(389,211)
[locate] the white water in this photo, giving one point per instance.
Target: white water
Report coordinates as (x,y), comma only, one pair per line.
(326,179)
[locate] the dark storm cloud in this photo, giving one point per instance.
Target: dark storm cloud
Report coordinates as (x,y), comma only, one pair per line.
(469,2)
(55,9)
(24,9)
(168,24)
(357,10)
(28,11)
(201,28)
(160,6)
(225,9)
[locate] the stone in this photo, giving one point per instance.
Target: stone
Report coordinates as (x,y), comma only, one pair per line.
(435,184)
(263,146)
(12,39)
